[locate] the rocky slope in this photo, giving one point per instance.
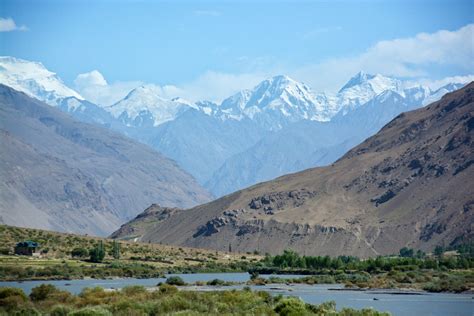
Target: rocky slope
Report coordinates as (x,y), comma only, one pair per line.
(411,185)
(64,175)
(154,214)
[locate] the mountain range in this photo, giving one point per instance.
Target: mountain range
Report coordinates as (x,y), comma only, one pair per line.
(62,174)
(409,185)
(255,135)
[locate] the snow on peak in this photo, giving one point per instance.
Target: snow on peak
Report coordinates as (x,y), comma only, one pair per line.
(144,105)
(358,79)
(277,101)
(35,80)
(363,87)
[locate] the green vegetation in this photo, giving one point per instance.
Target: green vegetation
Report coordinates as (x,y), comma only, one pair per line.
(79,253)
(166,300)
(67,256)
(409,270)
(76,257)
(67,271)
(175,280)
(219,282)
(291,260)
(116,250)
(98,252)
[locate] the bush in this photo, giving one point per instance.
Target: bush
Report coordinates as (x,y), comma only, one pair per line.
(168,289)
(290,306)
(12,291)
(60,310)
(323,308)
(79,253)
(12,298)
(216,282)
(91,311)
(133,290)
(42,292)
(175,280)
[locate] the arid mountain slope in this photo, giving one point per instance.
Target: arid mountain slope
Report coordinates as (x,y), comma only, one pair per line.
(411,184)
(60,174)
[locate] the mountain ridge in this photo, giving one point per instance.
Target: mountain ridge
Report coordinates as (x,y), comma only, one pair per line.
(238,127)
(404,186)
(66,175)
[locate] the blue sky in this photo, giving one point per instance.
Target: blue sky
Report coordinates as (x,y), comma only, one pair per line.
(223,46)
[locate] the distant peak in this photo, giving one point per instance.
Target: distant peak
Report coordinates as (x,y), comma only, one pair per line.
(359,78)
(281,80)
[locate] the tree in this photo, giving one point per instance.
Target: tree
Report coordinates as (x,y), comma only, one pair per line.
(116,250)
(438,251)
(79,252)
(406,252)
(97,253)
(420,254)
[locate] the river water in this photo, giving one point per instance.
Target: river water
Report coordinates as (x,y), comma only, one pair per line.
(396,303)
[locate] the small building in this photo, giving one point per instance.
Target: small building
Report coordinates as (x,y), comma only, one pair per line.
(27,248)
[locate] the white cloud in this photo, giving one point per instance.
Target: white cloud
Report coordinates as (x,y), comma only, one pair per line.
(93,86)
(216,86)
(9,25)
(213,86)
(90,78)
(207,13)
(404,57)
(436,84)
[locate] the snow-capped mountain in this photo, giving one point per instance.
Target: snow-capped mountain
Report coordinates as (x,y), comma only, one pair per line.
(279,126)
(436,95)
(276,102)
(35,80)
(363,87)
(143,107)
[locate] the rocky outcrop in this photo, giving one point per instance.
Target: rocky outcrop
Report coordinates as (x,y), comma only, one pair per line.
(134,229)
(279,200)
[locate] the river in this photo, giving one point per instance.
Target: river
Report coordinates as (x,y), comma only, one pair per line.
(420,303)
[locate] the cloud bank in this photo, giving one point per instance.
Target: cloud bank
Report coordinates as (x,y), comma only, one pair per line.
(411,58)
(404,57)
(9,25)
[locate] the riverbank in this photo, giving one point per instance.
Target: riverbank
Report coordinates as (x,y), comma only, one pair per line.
(455,281)
(394,301)
(167,299)
(66,257)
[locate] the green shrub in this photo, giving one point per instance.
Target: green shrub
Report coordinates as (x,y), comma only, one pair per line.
(216,282)
(91,311)
(79,252)
(133,290)
(42,292)
(60,310)
(12,291)
(12,298)
(25,311)
(323,308)
(168,289)
(175,280)
(290,306)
